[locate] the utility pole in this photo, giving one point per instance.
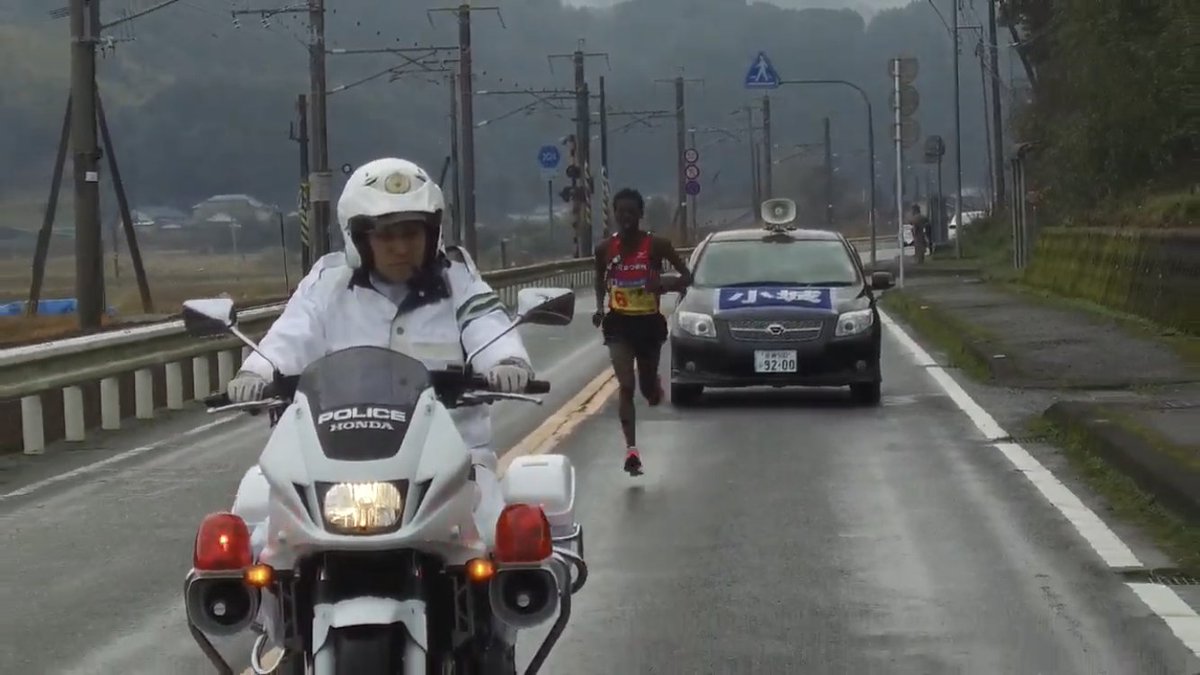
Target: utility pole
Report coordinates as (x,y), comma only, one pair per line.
(768,183)
(467,138)
(681,148)
(456,162)
(997,112)
(89,261)
(583,136)
(828,175)
(957,133)
(321,181)
(84,112)
(466,104)
(299,134)
(603,127)
(583,141)
(681,142)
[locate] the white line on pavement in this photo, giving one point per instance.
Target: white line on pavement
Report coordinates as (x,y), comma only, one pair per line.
(1162,600)
(119,457)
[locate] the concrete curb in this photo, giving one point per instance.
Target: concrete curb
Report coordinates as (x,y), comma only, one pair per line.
(999,371)
(1174,484)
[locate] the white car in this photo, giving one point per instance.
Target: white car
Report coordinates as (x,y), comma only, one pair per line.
(967,218)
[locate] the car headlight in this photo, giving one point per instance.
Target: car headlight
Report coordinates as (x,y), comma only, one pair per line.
(697,324)
(853,323)
(362,508)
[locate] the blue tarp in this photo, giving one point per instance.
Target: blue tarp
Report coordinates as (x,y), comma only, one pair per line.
(56,307)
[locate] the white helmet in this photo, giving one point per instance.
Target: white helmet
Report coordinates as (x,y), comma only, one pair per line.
(383,187)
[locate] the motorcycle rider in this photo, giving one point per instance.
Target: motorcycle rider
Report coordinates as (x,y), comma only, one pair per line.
(400,287)
(396,286)
(634,329)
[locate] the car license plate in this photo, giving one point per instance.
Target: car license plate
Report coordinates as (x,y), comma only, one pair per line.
(775,361)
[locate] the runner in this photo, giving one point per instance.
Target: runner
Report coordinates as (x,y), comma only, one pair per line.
(628,268)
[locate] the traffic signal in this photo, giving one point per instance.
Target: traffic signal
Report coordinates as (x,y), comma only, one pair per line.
(572,160)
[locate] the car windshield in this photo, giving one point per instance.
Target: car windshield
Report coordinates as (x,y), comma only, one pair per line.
(362,399)
(788,262)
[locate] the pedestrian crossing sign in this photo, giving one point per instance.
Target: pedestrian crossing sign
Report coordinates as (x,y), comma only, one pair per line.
(762,74)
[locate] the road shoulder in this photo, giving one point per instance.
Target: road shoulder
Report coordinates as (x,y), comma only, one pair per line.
(1117,406)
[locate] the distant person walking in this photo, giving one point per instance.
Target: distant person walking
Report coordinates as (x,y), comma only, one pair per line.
(920,230)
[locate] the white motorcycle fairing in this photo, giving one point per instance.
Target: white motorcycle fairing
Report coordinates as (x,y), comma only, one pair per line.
(436,515)
(370,546)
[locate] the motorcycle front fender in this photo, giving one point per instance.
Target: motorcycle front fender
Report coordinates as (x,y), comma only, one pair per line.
(370,610)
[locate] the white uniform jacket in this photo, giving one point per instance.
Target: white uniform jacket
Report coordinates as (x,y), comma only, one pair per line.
(327,313)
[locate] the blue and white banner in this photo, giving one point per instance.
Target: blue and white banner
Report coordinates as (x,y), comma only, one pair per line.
(774,296)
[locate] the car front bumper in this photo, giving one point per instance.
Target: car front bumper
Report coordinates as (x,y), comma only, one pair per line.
(725,362)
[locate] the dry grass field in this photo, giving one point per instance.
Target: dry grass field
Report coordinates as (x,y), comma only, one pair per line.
(174,276)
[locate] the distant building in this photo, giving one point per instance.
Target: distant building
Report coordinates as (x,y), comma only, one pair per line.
(157,218)
(223,210)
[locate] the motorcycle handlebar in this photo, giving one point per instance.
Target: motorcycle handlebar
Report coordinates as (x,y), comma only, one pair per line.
(476,382)
(532,387)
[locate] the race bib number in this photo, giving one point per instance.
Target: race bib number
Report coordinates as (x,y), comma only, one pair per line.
(633,300)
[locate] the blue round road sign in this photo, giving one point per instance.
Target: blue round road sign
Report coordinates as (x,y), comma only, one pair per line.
(692,187)
(549,156)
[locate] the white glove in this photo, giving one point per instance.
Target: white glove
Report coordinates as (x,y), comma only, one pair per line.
(508,379)
(246,387)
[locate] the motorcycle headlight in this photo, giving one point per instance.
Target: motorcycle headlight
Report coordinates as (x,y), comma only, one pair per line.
(697,324)
(362,508)
(853,323)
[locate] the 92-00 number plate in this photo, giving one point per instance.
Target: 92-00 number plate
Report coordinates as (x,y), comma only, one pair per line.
(775,361)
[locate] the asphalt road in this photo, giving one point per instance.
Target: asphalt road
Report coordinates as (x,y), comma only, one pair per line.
(774,532)
(782,532)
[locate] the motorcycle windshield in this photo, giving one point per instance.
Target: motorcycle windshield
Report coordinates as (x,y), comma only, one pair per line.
(362,399)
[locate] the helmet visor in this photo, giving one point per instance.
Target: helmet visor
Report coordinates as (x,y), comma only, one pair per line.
(390,222)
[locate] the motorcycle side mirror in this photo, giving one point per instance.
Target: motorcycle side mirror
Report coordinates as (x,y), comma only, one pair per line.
(545,306)
(209,317)
(539,306)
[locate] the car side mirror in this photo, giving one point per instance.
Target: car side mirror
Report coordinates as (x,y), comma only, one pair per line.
(881,280)
(209,317)
(546,306)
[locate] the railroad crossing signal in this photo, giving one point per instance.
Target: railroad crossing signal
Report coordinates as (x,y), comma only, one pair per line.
(691,171)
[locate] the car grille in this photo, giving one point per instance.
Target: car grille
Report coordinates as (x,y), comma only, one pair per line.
(766,330)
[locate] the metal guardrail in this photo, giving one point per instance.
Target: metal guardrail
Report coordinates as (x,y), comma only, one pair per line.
(141,369)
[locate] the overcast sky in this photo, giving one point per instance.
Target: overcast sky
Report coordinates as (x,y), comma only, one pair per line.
(861,5)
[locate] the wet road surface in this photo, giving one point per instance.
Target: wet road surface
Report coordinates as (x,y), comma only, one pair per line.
(774,532)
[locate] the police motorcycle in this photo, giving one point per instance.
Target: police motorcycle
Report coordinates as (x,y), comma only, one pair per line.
(371,561)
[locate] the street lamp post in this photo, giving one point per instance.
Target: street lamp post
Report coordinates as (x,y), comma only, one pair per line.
(870,146)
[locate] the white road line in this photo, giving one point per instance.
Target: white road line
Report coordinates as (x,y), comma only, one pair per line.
(1162,600)
(119,457)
